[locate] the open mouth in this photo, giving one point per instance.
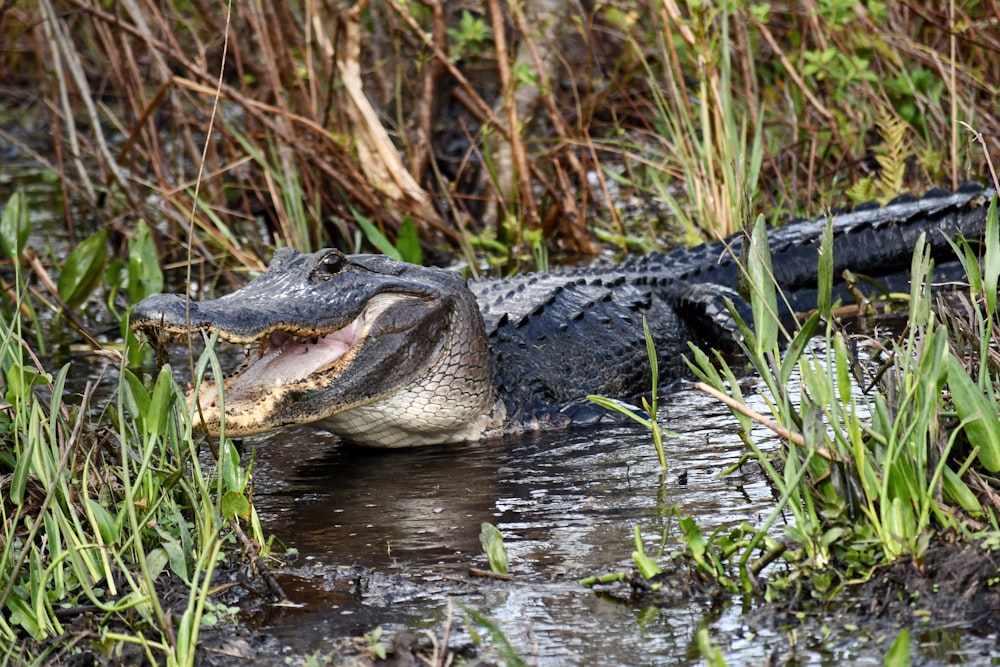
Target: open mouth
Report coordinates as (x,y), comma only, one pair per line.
(280,361)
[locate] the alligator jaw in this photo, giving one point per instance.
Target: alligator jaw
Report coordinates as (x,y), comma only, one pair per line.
(380,352)
(294,374)
(278,364)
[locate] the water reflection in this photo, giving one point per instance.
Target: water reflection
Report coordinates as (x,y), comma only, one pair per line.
(566,504)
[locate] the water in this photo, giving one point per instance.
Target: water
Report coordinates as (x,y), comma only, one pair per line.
(388,538)
(566,504)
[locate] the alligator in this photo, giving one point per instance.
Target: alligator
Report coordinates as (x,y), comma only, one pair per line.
(389,354)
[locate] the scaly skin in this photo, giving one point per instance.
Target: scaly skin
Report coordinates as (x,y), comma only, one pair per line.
(389,354)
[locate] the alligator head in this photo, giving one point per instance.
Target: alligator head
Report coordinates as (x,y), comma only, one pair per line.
(381,352)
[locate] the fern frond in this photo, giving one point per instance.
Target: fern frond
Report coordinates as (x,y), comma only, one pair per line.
(891,156)
(862,190)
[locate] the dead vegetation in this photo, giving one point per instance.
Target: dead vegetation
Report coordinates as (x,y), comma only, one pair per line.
(494,127)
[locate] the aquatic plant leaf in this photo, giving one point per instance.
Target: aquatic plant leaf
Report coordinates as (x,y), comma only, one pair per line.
(824,271)
(408,243)
(14,226)
(19,481)
(505,650)
(234,504)
(375,236)
(229,465)
(156,562)
(22,615)
(899,524)
(991,259)
(763,300)
(958,492)
(614,405)
(797,347)
(176,556)
(693,537)
(899,652)
(647,566)
(709,650)
(160,402)
(492,541)
(978,414)
(106,523)
(135,396)
(145,277)
(83,269)
(20,380)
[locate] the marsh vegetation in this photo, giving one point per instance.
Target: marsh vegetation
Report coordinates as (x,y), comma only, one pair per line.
(147,144)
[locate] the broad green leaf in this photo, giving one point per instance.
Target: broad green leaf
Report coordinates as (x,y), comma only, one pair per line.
(646,565)
(83,269)
(229,463)
(899,525)
(492,541)
(156,561)
(958,492)
(654,365)
(19,481)
(798,346)
(408,243)
(20,380)
(991,260)
(763,299)
(920,266)
(176,556)
(135,396)
(978,414)
(160,402)
(14,226)
(145,277)
(899,652)
(105,522)
(22,615)
(824,269)
(234,504)
(376,237)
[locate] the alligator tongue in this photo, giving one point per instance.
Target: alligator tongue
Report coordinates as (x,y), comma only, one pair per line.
(290,359)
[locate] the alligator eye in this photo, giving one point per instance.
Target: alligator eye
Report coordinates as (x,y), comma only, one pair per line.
(331,264)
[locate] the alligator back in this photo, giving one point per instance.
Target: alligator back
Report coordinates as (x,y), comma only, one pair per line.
(555,337)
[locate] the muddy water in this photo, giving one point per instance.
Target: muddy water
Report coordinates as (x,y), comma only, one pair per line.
(566,505)
(388,538)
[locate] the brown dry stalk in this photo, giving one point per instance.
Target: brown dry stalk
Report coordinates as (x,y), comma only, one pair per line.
(528,208)
(568,206)
(781,431)
(431,74)
(377,155)
(790,70)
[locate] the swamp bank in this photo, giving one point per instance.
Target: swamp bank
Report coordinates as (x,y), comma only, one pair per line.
(150,146)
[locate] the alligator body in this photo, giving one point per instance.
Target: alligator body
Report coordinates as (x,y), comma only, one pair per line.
(390,354)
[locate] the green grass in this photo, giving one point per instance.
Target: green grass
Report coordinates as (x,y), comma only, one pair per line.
(868,477)
(879,459)
(106,505)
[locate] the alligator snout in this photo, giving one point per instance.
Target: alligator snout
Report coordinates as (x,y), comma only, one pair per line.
(172,313)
